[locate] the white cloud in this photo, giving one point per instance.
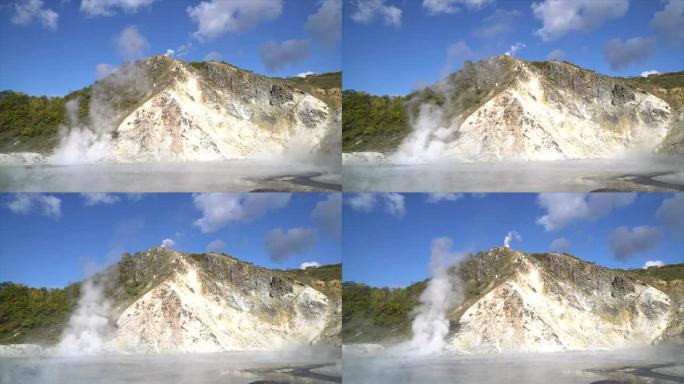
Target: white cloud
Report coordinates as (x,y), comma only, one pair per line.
(103,70)
(108,7)
(26,11)
(635,50)
(560,16)
(168,243)
(308,264)
(363,202)
(216,17)
(131,43)
(499,23)
(134,196)
(305,74)
(434,198)
(565,208)
(366,202)
(326,24)
(327,215)
(457,53)
(510,236)
(394,204)
(170,52)
(213,56)
(515,48)
(295,241)
(25,203)
(96,198)
(367,10)
(556,54)
(276,55)
(653,263)
(669,23)
(435,7)
(219,209)
(560,244)
(626,243)
(216,246)
(671,212)
(649,73)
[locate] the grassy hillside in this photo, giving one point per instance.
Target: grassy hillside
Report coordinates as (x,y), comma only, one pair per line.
(40,315)
(34,315)
(372,314)
(31,123)
(667,86)
(373,123)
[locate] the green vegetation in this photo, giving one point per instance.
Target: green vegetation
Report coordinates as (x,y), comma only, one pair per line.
(667,272)
(372,314)
(664,80)
(373,123)
(667,86)
(325,86)
(329,80)
(324,272)
(35,315)
(31,123)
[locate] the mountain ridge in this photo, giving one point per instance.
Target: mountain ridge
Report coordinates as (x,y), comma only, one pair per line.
(172,98)
(161,300)
(505,309)
(521,109)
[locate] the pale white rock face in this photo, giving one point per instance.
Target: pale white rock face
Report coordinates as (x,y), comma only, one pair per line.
(533,117)
(15,158)
(180,315)
(19,350)
(522,315)
(520,124)
(182,123)
(362,157)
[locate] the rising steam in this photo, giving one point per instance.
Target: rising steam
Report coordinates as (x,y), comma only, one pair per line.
(430,326)
(83,142)
(89,329)
(428,140)
(510,236)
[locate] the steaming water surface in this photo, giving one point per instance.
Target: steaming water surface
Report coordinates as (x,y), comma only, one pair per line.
(646,174)
(649,365)
(311,365)
(236,176)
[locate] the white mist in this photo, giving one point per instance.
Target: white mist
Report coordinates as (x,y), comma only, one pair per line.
(431,326)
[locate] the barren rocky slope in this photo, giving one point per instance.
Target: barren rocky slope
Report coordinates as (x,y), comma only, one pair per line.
(504,108)
(165,109)
(516,301)
(162,300)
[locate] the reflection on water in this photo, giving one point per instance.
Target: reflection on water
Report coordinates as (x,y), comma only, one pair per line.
(310,365)
(663,364)
(234,176)
(634,174)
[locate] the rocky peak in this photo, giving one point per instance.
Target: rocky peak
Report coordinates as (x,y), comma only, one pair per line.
(555,301)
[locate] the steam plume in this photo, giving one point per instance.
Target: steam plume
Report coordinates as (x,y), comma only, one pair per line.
(89,328)
(430,326)
(510,236)
(82,142)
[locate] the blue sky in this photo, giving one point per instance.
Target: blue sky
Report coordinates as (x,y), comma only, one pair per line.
(52,55)
(387,237)
(53,239)
(394,46)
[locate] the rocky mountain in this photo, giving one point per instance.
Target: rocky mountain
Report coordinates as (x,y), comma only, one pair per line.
(516,301)
(162,300)
(504,108)
(163,109)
